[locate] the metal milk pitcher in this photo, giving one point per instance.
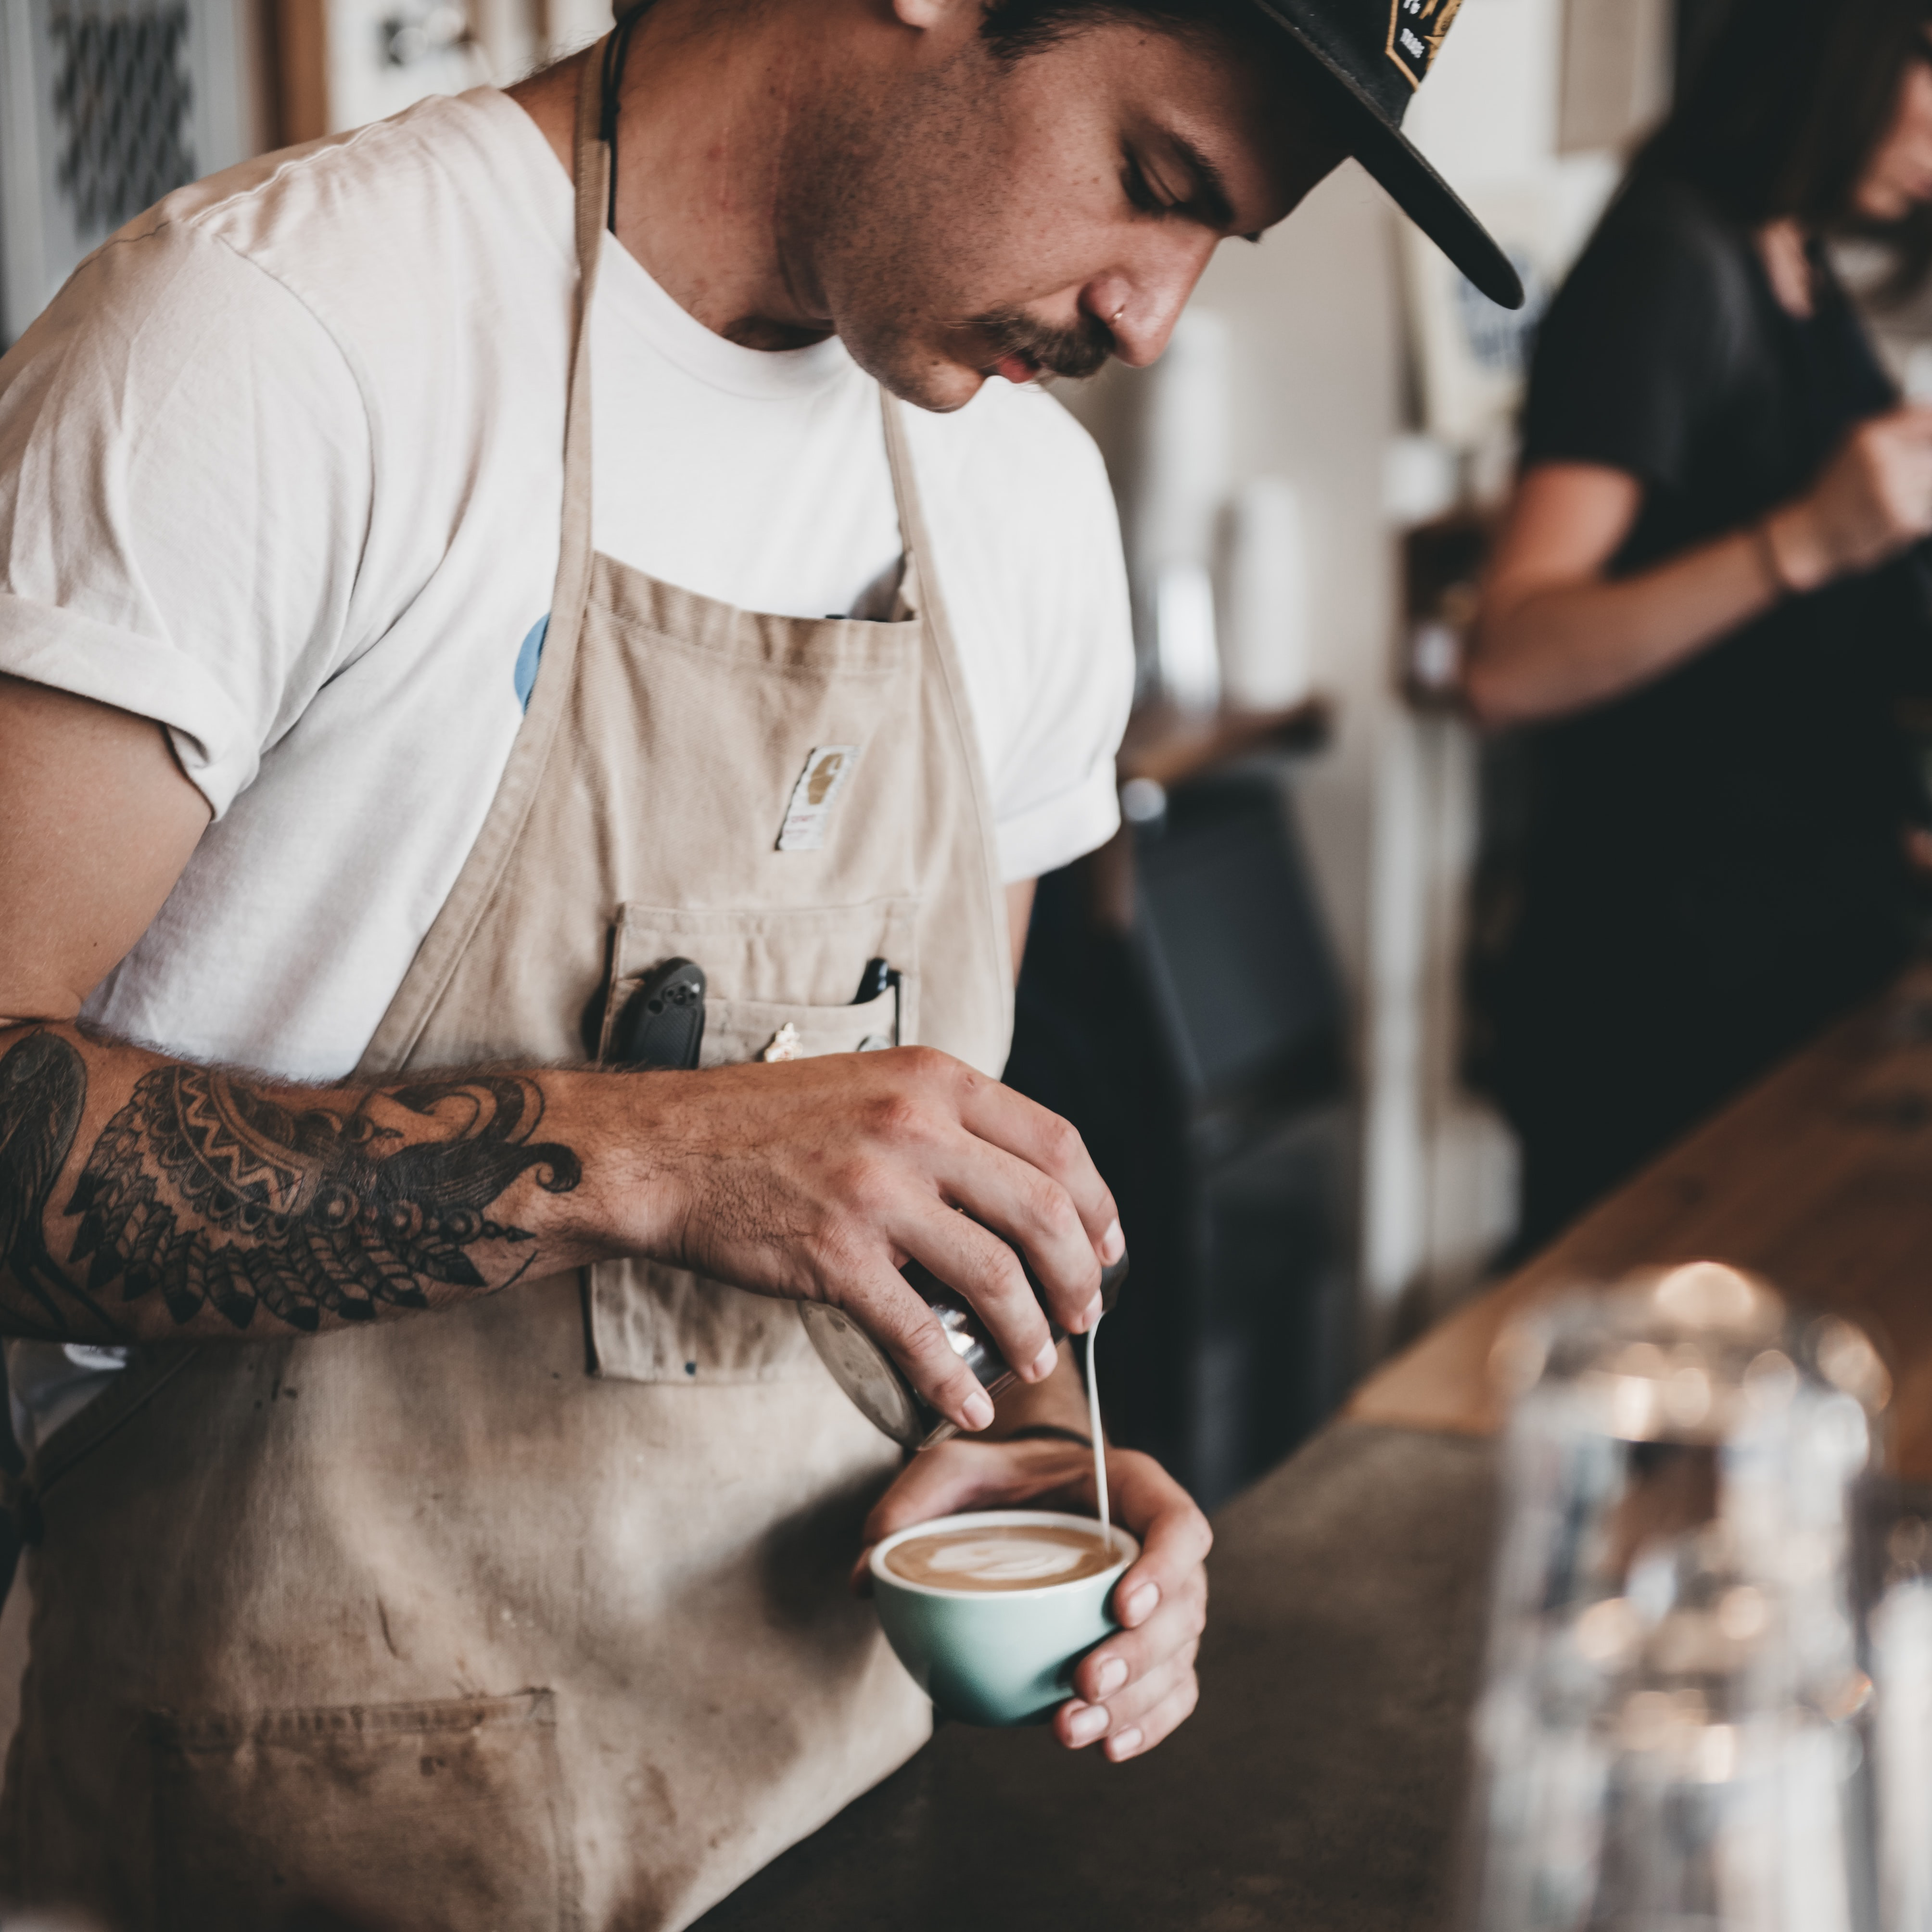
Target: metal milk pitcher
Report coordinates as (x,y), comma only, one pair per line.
(879,1387)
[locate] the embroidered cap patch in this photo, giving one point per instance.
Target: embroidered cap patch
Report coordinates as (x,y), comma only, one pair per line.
(1416,27)
(813,796)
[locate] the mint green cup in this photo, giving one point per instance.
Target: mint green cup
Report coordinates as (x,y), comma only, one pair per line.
(997,1656)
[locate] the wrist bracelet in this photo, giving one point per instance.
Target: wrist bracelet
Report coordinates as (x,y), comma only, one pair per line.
(1781,585)
(1049,1432)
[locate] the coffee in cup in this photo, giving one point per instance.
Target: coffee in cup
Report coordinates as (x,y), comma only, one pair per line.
(1013,1556)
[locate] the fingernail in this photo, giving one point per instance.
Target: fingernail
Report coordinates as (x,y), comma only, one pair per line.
(978,1410)
(1113,1244)
(1141,1604)
(1113,1675)
(1047,1360)
(1124,1745)
(1085,1726)
(1091,1313)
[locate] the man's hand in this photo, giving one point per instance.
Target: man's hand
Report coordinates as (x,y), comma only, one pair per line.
(818,1179)
(1136,1686)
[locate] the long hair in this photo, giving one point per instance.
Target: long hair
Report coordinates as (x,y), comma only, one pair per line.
(1784,106)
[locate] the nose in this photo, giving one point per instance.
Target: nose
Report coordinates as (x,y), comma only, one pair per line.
(1141,302)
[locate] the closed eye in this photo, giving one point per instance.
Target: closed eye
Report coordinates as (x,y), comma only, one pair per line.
(1140,191)
(1207,201)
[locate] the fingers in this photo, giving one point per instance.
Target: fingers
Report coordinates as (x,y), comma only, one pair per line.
(1012,1164)
(1050,1147)
(1133,1720)
(818,1178)
(883,1302)
(987,1272)
(1878,493)
(1174,1536)
(1173,1710)
(1133,1668)
(1134,1687)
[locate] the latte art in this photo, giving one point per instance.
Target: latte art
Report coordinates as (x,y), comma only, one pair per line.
(1007,1557)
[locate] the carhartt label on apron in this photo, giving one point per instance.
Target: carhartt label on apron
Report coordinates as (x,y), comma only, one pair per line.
(814,795)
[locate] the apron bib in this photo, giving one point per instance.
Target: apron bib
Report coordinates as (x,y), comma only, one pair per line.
(532,1613)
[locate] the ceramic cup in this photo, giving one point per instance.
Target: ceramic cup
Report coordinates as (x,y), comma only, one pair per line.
(997,1656)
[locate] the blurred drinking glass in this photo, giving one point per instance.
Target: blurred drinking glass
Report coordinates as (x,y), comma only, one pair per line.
(1669,1737)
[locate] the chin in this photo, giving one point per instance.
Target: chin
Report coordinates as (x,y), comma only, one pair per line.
(916,372)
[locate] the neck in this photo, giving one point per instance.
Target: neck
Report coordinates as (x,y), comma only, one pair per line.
(1781,245)
(707,117)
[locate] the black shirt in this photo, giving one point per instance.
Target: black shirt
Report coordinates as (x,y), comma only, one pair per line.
(1715,864)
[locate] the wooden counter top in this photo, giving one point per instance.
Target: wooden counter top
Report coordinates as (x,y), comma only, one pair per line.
(1820,1179)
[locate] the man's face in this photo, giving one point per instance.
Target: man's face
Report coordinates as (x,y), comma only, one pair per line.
(960,216)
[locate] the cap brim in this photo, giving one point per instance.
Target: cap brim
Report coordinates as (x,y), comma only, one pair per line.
(1415,187)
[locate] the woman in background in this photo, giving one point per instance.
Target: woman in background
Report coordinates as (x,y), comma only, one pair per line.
(1700,599)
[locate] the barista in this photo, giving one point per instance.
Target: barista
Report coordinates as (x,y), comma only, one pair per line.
(1697,603)
(417,555)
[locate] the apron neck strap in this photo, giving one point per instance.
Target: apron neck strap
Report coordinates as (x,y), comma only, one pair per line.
(592,173)
(917,587)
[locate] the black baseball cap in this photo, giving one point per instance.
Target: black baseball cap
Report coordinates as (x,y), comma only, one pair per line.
(1376,53)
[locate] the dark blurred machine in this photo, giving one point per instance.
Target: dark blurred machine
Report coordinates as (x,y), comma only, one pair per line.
(1180,1006)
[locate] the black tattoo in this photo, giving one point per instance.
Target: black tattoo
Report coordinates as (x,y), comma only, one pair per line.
(206,1190)
(42,1090)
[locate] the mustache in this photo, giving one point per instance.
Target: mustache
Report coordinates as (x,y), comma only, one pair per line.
(1074,353)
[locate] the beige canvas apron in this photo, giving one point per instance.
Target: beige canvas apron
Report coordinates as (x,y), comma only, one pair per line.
(426,1620)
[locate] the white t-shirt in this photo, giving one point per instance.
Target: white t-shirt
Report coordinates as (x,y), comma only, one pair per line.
(281,467)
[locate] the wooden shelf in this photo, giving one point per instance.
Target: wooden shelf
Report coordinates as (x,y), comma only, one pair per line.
(1170,745)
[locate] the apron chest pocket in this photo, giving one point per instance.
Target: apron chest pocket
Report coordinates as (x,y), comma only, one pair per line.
(781,982)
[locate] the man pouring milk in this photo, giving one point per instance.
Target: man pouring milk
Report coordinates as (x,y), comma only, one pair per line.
(417,550)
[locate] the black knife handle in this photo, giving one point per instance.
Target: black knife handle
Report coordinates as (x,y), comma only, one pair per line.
(663,1023)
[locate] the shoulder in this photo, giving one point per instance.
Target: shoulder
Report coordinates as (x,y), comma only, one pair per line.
(386,236)
(1650,337)
(433,161)
(1663,251)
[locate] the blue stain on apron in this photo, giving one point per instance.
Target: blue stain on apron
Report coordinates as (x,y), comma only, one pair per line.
(527,654)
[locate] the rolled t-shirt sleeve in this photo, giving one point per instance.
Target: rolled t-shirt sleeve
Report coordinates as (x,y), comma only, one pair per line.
(1629,357)
(185,485)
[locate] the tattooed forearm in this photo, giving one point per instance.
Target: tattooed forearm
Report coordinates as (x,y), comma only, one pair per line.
(43,1092)
(212,1195)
